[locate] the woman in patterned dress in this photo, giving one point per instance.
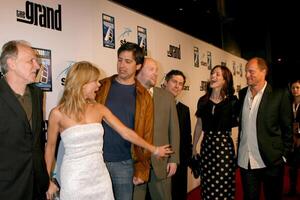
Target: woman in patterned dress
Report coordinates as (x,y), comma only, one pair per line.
(217,113)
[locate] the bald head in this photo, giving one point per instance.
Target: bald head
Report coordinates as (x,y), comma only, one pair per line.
(148,73)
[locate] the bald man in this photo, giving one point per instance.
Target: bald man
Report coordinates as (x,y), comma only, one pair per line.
(166,131)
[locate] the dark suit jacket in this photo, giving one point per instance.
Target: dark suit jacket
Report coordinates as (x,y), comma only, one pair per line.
(274,120)
(297,119)
(22,162)
(185,133)
(166,129)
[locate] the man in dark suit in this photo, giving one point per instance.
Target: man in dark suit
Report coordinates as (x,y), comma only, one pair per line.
(174,83)
(166,131)
(265,136)
(23,174)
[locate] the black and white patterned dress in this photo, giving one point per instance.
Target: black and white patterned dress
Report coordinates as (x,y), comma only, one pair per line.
(218,163)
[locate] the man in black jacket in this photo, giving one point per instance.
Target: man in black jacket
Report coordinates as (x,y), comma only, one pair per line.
(23,172)
(265,134)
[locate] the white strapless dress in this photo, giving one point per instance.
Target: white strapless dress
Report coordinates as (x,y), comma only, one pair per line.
(84,175)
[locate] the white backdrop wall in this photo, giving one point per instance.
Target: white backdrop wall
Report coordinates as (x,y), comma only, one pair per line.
(81,39)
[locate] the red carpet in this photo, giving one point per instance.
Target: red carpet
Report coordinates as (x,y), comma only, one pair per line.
(195,194)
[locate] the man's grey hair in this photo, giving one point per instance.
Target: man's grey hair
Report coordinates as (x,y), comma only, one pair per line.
(10,50)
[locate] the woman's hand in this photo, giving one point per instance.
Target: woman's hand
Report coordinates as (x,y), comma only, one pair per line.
(163,151)
(51,190)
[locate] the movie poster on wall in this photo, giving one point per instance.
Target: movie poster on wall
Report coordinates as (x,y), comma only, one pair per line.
(142,38)
(196,57)
(234,68)
(241,70)
(203,86)
(203,59)
(44,76)
(174,52)
(209,60)
(108,26)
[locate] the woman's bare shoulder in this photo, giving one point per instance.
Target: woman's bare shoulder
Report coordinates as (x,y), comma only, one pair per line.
(55,112)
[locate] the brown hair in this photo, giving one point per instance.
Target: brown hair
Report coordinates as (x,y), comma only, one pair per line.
(228,88)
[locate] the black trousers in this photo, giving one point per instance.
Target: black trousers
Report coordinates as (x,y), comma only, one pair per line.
(179,183)
(294,165)
(269,178)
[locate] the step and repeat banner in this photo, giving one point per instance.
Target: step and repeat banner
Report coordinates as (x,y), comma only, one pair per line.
(66,31)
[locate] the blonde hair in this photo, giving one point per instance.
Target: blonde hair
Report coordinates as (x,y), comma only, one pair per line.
(73,102)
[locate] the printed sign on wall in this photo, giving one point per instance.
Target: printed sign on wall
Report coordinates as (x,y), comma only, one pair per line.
(44,76)
(174,52)
(203,59)
(196,57)
(234,68)
(209,60)
(108,26)
(125,34)
(62,75)
(203,86)
(241,70)
(41,15)
(142,38)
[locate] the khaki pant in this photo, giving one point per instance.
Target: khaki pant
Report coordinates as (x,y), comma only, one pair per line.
(160,189)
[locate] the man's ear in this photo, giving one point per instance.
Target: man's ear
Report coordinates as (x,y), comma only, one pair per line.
(11,63)
(138,67)
(265,71)
(164,85)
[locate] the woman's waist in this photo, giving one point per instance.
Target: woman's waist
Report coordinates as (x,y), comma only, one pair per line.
(73,154)
(218,133)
